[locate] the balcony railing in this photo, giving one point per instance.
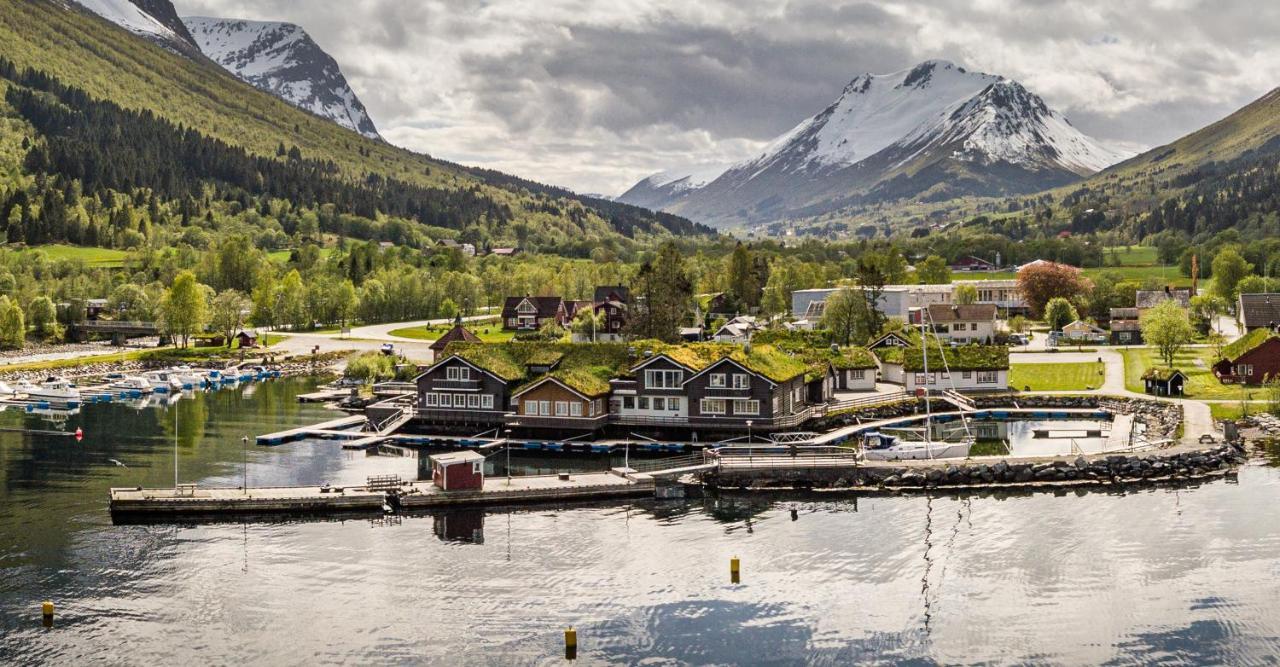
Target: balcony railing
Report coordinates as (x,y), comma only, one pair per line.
(551,421)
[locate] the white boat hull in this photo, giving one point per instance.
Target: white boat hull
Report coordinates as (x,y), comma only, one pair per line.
(910,451)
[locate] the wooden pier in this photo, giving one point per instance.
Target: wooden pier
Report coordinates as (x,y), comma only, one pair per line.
(189,500)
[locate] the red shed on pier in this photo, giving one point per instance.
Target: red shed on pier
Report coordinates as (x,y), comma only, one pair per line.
(458,471)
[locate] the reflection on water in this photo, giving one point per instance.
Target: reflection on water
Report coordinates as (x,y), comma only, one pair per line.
(1027,437)
(1073,577)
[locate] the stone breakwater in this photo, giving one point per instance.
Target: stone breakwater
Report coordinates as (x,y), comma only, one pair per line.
(994,472)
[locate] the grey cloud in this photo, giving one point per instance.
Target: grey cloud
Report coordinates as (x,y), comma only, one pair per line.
(544,87)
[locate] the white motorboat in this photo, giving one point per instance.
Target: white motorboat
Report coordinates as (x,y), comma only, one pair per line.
(54,389)
(162,382)
(6,390)
(129,383)
(187,377)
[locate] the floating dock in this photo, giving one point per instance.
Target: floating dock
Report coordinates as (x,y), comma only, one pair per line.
(188,500)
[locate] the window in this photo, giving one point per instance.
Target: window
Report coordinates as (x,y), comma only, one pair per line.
(562,409)
(659,403)
(512,322)
(477,467)
(741,407)
(966,374)
(1244,370)
(526,307)
(659,379)
(673,404)
(575,409)
(717,379)
(986,377)
(713,406)
(920,379)
(430,400)
(741,381)
(486,402)
(644,402)
(859,374)
(473,401)
(629,402)
(458,373)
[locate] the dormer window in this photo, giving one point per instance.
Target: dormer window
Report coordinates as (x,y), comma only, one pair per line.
(526,307)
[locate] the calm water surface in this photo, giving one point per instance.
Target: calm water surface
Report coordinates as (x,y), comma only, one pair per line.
(1186,576)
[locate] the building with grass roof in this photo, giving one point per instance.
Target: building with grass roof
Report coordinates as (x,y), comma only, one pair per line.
(963,368)
(1252,359)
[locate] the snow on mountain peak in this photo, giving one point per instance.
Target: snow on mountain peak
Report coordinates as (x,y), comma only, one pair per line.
(282,59)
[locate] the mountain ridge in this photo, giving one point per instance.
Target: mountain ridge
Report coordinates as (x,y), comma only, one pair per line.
(933,131)
(282,59)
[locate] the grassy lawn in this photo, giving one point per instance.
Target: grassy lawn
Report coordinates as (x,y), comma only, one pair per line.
(282,256)
(1131,255)
(107,258)
(489,331)
(1195,362)
(1056,377)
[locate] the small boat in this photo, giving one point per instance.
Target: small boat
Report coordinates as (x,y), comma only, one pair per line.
(187,377)
(162,382)
(215,377)
(6,390)
(55,389)
(129,383)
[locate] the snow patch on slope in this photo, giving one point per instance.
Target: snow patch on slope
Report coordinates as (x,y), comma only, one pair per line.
(124,14)
(282,59)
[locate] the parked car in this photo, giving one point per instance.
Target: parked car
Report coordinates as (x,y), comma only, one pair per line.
(1018,339)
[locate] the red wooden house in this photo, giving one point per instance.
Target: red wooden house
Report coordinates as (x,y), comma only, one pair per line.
(1253,359)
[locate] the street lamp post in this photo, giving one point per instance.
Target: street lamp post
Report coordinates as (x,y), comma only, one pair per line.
(749,423)
(507,446)
(244,448)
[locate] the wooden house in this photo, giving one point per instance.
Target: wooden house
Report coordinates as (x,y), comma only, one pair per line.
(1164,381)
(963,368)
(530,313)
(246,339)
(457,333)
(568,401)
(1253,359)
(457,390)
(1258,311)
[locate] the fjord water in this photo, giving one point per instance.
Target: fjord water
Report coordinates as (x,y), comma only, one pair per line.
(1150,575)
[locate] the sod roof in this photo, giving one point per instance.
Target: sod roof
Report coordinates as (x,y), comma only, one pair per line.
(766,360)
(1161,373)
(1240,346)
(962,358)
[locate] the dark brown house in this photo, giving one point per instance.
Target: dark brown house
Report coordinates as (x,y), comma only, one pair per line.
(529,313)
(457,391)
(1253,359)
(727,393)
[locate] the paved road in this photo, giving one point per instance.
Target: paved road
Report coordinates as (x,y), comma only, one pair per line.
(369,337)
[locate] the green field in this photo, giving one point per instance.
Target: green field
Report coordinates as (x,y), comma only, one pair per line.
(106,258)
(1195,362)
(1056,376)
(489,331)
(282,256)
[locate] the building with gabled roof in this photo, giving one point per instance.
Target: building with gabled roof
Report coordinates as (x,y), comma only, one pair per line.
(1258,311)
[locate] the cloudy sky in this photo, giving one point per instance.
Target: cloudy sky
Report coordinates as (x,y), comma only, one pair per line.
(595,95)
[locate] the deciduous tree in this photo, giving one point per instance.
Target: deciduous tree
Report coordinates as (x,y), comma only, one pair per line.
(1167,327)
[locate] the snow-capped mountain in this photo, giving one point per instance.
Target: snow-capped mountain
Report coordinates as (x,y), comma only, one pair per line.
(932,132)
(282,59)
(154,19)
(667,187)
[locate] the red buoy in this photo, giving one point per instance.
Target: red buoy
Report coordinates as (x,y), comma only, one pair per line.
(79,434)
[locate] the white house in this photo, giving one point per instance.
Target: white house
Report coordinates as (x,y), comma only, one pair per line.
(736,330)
(965,368)
(970,323)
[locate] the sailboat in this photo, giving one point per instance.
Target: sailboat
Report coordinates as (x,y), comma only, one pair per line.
(877,446)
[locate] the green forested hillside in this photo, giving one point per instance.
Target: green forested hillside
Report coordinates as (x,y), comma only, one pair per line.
(82,52)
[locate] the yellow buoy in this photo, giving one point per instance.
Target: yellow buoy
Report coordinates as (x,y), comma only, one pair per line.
(734,569)
(46,611)
(570,644)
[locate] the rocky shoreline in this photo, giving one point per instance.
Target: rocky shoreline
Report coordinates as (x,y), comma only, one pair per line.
(995,472)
